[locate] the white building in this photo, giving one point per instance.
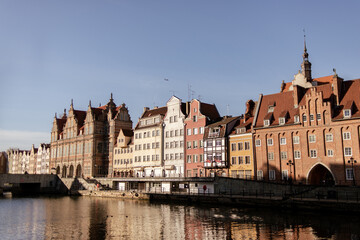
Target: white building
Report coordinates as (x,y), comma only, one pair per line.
(43,159)
(174,151)
(148,144)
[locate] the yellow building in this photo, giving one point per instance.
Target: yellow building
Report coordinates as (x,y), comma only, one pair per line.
(123,154)
(241,146)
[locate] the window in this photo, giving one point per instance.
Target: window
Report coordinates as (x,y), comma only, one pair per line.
(171,133)
(201,143)
(195,144)
(318,116)
(313,153)
(176,156)
(195,158)
(260,175)
(175,118)
(348,151)
(329,137)
(171,119)
(271,174)
(270,142)
(195,110)
(240,146)
(233,160)
(195,131)
(330,153)
(181,144)
(201,158)
(282,141)
(241,160)
(281,121)
(247,145)
(349,174)
(209,143)
(233,147)
(304,118)
(257,142)
(270,156)
(167,134)
(297,154)
(188,131)
(181,132)
(346,136)
(347,113)
(285,175)
(171,144)
(283,155)
(311,117)
(218,142)
(247,159)
(296,139)
(194,118)
(296,119)
(202,130)
(188,145)
(266,122)
(312,138)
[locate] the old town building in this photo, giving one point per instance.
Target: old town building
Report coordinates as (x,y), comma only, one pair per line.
(309,132)
(241,156)
(148,159)
(19,161)
(82,142)
(216,146)
(43,159)
(3,162)
(200,115)
(174,137)
(123,154)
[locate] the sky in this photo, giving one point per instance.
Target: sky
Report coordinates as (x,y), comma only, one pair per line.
(221,52)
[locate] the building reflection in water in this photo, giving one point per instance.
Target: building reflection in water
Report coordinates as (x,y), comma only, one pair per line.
(105,218)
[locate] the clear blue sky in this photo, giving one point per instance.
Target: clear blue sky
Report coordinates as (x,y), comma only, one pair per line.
(228,51)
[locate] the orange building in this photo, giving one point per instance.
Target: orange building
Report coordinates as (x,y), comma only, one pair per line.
(309,132)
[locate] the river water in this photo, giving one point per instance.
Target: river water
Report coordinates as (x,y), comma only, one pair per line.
(106,218)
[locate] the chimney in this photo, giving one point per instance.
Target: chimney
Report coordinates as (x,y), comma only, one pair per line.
(336,88)
(296,94)
(146,109)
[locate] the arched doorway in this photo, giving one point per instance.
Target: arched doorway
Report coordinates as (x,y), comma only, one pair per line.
(58,170)
(71,171)
(320,175)
(78,171)
(63,171)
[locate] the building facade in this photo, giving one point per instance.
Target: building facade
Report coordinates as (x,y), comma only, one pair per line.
(43,159)
(3,162)
(199,116)
(148,159)
(174,137)
(242,162)
(309,132)
(123,154)
(82,142)
(216,146)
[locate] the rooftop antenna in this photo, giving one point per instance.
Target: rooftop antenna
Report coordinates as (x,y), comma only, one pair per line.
(189,92)
(172,92)
(199,97)
(227,109)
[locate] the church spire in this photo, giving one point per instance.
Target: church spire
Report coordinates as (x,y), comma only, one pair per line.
(306,65)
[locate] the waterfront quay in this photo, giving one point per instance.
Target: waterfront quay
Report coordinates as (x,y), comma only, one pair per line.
(214,191)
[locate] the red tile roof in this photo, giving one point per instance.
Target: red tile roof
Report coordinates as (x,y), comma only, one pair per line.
(154,112)
(350,97)
(209,110)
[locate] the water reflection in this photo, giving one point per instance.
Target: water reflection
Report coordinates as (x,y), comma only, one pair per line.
(98,218)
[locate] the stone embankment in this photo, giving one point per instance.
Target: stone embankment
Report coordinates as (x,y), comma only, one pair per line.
(115,194)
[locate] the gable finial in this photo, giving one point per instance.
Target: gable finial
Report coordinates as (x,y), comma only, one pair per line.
(334,70)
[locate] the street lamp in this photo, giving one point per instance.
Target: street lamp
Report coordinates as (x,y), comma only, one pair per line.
(290,163)
(352,161)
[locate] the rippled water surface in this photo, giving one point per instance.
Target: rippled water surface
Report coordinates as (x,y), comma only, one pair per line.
(104,218)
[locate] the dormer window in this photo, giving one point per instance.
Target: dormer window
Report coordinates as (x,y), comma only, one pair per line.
(266,122)
(240,130)
(271,109)
(347,113)
(282,121)
(296,119)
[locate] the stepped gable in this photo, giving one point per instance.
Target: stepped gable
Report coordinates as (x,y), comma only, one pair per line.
(209,110)
(350,99)
(280,103)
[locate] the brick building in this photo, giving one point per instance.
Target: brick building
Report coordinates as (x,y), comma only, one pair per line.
(309,132)
(200,115)
(82,142)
